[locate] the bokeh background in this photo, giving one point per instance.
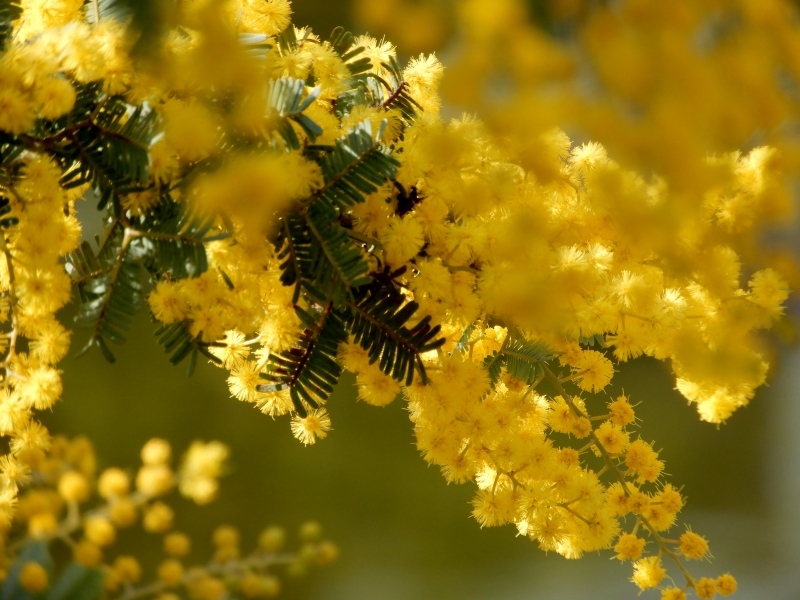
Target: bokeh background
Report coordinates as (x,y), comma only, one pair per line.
(404,533)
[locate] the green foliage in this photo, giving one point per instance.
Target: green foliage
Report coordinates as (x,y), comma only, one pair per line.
(33,551)
(356,165)
(102,10)
(256,44)
(110,289)
(107,144)
(309,369)
(344,44)
(339,264)
(521,358)
(5,208)
(75,582)
(172,240)
(395,92)
(286,98)
(378,320)
(179,344)
(10,10)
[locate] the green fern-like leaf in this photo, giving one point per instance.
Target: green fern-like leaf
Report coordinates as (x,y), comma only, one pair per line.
(32,551)
(179,344)
(395,93)
(319,256)
(337,263)
(110,149)
(494,366)
(256,44)
(111,295)
(174,240)
(77,582)
(104,10)
(523,359)
(377,320)
(343,43)
(287,99)
(355,167)
(10,11)
(309,370)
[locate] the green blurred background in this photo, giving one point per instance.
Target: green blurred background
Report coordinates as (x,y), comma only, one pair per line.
(404,533)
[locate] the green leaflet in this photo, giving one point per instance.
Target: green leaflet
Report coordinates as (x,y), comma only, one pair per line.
(107,144)
(179,344)
(521,358)
(309,369)
(10,10)
(286,98)
(355,167)
(377,321)
(172,240)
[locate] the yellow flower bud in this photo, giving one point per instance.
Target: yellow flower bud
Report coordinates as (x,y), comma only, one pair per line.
(73,487)
(156,452)
(327,553)
(177,544)
(113,482)
(100,531)
(33,577)
(127,569)
(154,480)
(158,518)
(271,539)
(170,572)
(42,525)
(225,536)
(87,554)
(310,531)
(123,512)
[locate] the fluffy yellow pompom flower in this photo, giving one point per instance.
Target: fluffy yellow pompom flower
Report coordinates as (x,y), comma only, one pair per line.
(693,545)
(158,518)
(190,128)
(595,371)
(375,387)
(57,97)
(266,16)
(170,572)
(316,425)
(705,588)
(401,240)
(643,460)
(156,452)
(629,547)
(648,572)
(16,112)
(769,291)
(726,584)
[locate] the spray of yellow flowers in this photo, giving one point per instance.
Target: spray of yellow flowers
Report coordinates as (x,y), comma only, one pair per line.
(291,205)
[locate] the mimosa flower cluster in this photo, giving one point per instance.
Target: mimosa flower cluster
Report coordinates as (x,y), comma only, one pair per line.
(64,500)
(290,206)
